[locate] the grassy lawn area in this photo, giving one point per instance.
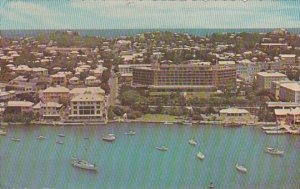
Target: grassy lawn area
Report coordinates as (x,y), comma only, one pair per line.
(158,117)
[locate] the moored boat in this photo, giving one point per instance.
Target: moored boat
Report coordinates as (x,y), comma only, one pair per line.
(168,123)
(130,133)
(241,168)
(15,139)
(232,124)
(162,148)
(2,132)
(274,151)
(192,142)
(200,156)
(83,164)
(59,142)
(41,137)
(61,135)
(109,137)
(211,185)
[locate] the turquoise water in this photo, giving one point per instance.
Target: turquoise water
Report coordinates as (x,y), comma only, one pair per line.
(133,161)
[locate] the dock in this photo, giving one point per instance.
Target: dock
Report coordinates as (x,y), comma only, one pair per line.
(289,129)
(276,132)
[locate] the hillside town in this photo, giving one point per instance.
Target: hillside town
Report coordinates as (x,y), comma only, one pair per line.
(232,78)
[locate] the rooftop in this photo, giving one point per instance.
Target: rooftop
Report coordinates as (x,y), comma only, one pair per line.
(271,74)
(19,104)
(234,111)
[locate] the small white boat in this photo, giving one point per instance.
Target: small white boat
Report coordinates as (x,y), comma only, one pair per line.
(61,135)
(192,142)
(187,123)
(162,148)
(15,139)
(109,137)
(59,142)
(2,132)
(200,156)
(130,133)
(274,151)
(168,123)
(83,164)
(241,168)
(211,185)
(41,137)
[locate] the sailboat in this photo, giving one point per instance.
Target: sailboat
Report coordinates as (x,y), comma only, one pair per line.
(83,164)
(274,151)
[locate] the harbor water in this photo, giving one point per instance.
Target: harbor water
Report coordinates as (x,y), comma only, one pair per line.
(132,161)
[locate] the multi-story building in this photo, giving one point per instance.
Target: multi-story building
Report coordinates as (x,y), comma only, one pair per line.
(264,79)
(288,59)
(93,90)
(126,71)
(19,106)
(87,106)
(184,75)
(275,86)
(55,94)
(290,92)
(58,79)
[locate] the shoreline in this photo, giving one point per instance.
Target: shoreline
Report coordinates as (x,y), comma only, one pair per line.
(194,123)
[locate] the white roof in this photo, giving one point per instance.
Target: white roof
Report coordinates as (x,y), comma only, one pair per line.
(90,78)
(271,74)
(226,62)
(281,111)
(295,111)
(292,86)
(287,55)
(234,111)
(87,97)
(96,90)
(19,104)
(58,89)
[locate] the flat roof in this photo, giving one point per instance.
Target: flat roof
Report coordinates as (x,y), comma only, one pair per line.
(271,74)
(59,89)
(19,104)
(292,86)
(234,111)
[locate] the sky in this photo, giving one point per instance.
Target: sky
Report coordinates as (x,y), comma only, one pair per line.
(148,14)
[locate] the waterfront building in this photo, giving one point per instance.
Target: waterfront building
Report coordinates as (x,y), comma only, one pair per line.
(264,79)
(87,106)
(246,70)
(231,64)
(51,110)
(19,106)
(165,76)
(55,94)
(289,116)
(235,115)
(289,92)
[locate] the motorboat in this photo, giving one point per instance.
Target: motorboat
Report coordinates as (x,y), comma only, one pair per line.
(83,164)
(274,151)
(109,137)
(187,122)
(15,139)
(192,142)
(162,148)
(61,135)
(200,156)
(59,142)
(241,168)
(2,132)
(130,133)
(211,185)
(168,123)
(41,137)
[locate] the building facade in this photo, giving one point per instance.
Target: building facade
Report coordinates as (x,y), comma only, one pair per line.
(264,79)
(184,75)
